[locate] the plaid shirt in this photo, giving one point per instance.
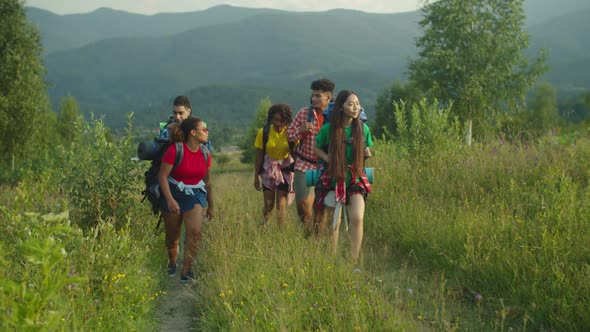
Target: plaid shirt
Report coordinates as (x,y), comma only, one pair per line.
(306,140)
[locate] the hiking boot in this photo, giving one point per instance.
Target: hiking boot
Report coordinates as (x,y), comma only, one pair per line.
(187,276)
(172,270)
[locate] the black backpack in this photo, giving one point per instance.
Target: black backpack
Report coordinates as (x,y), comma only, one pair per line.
(152,187)
(154,151)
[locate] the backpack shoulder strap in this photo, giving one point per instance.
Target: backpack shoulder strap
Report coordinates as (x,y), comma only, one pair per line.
(179,154)
(265,132)
(205,151)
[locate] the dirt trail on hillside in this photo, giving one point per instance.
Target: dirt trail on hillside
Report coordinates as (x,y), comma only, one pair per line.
(177,310)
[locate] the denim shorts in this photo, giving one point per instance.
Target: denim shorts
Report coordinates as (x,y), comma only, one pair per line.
(186,202)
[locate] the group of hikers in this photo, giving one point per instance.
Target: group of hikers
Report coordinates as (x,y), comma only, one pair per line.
(327,139)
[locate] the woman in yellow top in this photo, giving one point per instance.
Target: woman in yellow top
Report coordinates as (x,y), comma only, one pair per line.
(274,163)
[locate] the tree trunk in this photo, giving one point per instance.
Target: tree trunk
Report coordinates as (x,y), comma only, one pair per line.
(469,132)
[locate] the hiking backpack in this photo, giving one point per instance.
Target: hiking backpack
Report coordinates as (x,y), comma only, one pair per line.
(154,151)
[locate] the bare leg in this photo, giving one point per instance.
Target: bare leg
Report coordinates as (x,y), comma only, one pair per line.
(333,231)
(282,206)
(304,209)
(320,220)
(173,226)
(193,221)
(269,203)
(356,212)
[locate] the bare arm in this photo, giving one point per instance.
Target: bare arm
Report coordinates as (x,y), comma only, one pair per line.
(257,168)
(209,187)
(298,127)
(165,170)
(367,153)
(323,155)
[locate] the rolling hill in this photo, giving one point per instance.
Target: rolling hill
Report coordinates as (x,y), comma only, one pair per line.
(64,32)
(115,62)
(284,50)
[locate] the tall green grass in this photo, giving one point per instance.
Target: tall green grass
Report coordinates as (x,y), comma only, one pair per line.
(489,237)
(268,279)
(507,224)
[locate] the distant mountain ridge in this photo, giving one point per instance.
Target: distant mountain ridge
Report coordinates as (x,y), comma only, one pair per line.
(64,32)
(275,50)
(146,60)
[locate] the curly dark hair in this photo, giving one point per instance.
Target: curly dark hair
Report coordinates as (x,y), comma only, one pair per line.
(180,133)
(283,109)
(323,84)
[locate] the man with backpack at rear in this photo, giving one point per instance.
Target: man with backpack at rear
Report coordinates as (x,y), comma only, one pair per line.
(304,129)
(155,150)
(180,111)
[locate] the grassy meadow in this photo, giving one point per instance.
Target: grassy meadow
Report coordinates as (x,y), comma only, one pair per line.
(490,237)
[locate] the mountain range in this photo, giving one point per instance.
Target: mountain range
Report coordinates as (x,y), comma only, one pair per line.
(227,58)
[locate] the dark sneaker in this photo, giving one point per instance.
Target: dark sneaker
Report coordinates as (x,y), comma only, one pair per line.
(172,270)
(187,276)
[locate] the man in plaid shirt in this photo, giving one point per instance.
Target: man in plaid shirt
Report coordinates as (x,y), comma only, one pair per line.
(304,129)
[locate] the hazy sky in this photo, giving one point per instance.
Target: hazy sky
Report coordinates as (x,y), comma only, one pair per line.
(166,6)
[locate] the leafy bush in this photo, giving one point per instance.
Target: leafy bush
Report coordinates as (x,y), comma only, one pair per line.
(426,129)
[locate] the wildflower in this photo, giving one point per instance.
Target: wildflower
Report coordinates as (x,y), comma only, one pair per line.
(284,285)
(222,295)
(478,297)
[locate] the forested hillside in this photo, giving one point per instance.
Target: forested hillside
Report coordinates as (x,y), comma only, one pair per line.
(136,63)
(283,50)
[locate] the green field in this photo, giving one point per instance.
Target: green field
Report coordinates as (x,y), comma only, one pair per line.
(489,237)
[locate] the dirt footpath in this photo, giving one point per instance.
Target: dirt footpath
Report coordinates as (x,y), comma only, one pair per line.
(177,312)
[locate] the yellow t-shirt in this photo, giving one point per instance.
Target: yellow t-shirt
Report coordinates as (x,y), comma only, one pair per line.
(277,146)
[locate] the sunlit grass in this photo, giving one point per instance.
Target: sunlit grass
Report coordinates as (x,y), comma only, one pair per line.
(485,238)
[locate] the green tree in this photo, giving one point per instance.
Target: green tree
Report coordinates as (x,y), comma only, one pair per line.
(385,109)
(24,105)
(471,52)
(542,113)
(69,120)
(247,146)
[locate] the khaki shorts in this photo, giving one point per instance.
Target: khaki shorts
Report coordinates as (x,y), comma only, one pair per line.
(302,191)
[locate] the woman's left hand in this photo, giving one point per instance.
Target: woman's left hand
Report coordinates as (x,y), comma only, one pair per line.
(209,214)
